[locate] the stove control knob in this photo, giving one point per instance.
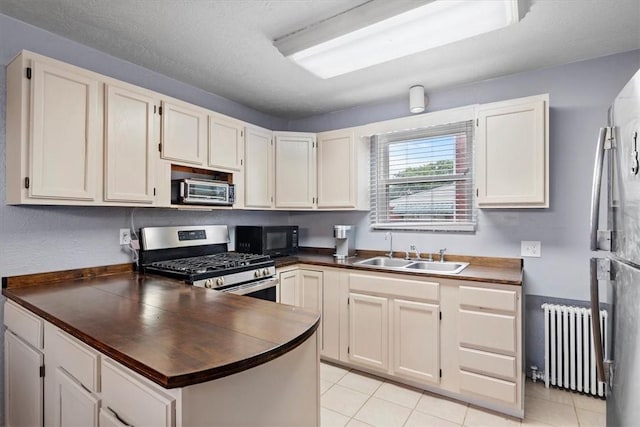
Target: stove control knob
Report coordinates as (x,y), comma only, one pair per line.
(220,281)
(208,283)
(257,273)
(265,272)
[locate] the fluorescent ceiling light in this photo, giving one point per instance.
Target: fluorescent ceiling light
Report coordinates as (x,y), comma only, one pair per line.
(327,49)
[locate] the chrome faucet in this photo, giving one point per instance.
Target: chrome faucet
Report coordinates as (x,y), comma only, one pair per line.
(442,254)
(416,251)
(388,235)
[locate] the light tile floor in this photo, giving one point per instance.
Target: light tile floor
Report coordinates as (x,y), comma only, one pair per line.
(353,399)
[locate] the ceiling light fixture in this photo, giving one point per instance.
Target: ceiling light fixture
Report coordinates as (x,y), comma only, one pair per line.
(416,99)
(379,31)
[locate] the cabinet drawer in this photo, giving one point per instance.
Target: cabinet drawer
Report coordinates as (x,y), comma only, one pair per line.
(26,325)
(395,286)
(487,330)
(79,360)
(495,299)
(133,401)
(493,388)
(488,363)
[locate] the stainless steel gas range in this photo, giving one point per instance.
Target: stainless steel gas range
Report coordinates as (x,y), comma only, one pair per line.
(198,254)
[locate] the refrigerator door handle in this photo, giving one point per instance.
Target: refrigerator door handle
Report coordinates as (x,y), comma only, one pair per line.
(597,186)
(596,333)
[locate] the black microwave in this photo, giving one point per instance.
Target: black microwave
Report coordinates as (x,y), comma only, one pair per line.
(272,240)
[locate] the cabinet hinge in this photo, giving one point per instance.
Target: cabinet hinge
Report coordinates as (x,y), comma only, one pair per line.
(160,148)
(160,110)
(42,371)
(440,315)
(241,162)
(477,193)
(348,350)
(155,109)
(26,182)
(477,122)
(241,133)
(29,73)
(348,301)
(440,373)
(154,191)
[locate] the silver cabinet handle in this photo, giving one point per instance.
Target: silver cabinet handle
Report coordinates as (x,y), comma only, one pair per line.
(595,189)
(595,320)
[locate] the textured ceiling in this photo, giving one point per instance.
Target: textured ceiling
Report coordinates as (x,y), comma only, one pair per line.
(225,47)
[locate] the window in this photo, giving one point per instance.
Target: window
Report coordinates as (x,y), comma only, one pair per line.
(423,179)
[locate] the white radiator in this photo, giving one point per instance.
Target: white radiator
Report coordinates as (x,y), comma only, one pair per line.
(568,347)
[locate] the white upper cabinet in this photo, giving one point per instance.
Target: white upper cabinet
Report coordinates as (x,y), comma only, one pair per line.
(336,169)
(258,169)
(295,170)
(53,131)
(226,142)
(130,146)
(184,133)
(512,153)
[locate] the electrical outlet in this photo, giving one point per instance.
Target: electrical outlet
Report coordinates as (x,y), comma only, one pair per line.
(530,248)
(125,236)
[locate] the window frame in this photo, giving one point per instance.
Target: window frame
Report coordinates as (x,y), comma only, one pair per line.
(417,124)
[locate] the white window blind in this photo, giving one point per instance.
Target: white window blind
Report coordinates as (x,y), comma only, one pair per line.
(422,179)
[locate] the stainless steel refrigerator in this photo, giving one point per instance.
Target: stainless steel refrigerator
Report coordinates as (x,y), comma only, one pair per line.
(618,356)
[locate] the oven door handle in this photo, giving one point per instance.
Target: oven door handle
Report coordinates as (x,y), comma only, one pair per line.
(247,288)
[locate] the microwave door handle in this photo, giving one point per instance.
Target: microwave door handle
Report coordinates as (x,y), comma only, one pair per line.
(596,188)
(596,333)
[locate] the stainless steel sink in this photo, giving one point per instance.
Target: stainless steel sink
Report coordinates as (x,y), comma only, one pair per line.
(438,267)
(397,264)
(384,262)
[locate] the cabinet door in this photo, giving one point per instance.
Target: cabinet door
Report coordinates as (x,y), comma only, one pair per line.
(24,392)
(65,136)
(310,290)
(368,331)
(184,133)
(131,146)
(295,171)
(226,143)
(336,170)
(258,169)
(288,285)
(74,405)
(310,294)
(512,153)
(416,340)
(332,283)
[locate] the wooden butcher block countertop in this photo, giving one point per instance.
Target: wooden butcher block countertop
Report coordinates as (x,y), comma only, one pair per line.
(170,332)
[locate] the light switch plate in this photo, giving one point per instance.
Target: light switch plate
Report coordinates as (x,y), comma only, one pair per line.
(530,248)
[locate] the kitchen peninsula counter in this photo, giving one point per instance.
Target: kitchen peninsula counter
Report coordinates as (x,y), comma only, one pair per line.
(172,333)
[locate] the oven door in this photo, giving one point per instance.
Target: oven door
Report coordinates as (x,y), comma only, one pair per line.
(263,289)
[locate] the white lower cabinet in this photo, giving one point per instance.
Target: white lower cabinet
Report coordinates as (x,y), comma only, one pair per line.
(75,406)
(459,337)
(369,331)
(23,367)
(490,343)
(23,383)
(416,340)
(391,333)
(316,288)
(133,401)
